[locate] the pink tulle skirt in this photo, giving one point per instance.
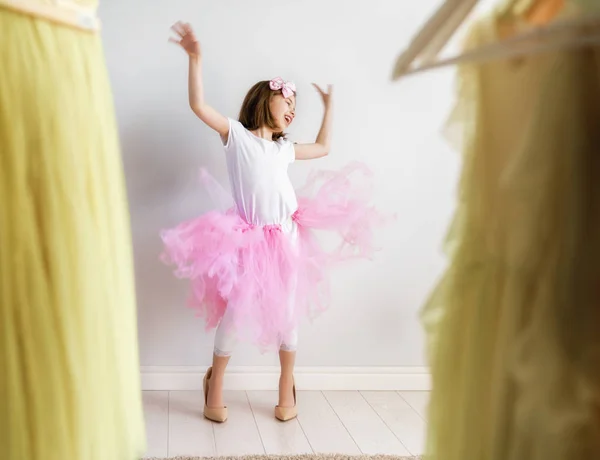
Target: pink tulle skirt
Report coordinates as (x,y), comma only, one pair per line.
(257,271)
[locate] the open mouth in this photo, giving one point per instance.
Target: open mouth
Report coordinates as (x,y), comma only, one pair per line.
(288,119)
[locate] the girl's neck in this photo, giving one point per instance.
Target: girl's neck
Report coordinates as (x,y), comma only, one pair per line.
(264,133)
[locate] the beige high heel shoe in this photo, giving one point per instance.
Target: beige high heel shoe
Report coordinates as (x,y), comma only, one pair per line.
(216,414)
(285,414)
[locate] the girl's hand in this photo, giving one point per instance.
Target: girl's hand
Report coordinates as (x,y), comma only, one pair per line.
(186,39)
(326,96)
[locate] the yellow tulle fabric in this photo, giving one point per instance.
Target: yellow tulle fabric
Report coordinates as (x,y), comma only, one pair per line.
(69,373)
(514,325)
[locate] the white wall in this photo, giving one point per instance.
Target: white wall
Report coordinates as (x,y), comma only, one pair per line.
(395,128)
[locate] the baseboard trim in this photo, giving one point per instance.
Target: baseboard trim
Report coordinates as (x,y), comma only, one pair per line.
(256,378)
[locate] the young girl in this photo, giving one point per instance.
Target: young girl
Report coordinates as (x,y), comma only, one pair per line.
(257,269)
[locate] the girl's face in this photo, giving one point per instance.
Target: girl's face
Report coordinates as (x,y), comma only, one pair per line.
(283,110)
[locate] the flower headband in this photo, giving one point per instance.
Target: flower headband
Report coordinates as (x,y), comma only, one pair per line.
(288,88)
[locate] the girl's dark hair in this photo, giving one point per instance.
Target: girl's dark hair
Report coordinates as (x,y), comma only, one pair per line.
(256,113)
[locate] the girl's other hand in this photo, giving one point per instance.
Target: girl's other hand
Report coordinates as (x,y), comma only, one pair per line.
(186,38)
(326,96)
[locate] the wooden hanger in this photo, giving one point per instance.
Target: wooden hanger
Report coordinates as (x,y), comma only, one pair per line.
(434,35)
(560,34)
(65,12)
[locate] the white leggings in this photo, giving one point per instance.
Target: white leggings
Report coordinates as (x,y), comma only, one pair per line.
(225,338)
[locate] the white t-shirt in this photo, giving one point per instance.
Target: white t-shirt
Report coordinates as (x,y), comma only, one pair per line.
(258,172)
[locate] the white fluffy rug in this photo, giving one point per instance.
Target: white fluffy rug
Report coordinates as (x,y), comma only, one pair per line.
(298,457)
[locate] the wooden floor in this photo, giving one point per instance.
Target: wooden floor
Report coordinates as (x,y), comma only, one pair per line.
(345,422)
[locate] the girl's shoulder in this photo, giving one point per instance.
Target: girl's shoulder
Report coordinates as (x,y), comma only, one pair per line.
(235,125)
(237,133)
(239,136)
(239,130)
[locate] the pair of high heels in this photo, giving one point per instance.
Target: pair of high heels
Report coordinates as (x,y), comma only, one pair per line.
(219,414)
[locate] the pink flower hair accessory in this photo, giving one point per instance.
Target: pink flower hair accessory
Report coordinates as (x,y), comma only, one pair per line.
(288,88)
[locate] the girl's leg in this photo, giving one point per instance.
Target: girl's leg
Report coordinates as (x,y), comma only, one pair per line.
(215,389)
(289,345)
(225,342)
(287,358)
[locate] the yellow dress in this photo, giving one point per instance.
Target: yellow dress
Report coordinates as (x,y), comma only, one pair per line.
(514,325)
(69,373)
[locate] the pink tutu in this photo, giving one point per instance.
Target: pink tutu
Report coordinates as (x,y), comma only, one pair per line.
(258,271)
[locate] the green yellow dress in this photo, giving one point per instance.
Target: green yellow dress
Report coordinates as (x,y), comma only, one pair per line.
(69,373)
(514,325)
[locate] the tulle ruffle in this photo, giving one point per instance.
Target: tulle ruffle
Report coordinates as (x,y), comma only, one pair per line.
(258,270)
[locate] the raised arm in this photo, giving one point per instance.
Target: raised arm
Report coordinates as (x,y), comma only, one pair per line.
(188,41)
(320,147)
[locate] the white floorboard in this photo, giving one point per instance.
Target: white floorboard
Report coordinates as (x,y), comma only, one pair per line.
(239,435)
(277,437)
(418,400)
(342,422)
(364,424)
(323,428)
(400,418)
(156,416)
(189,432)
